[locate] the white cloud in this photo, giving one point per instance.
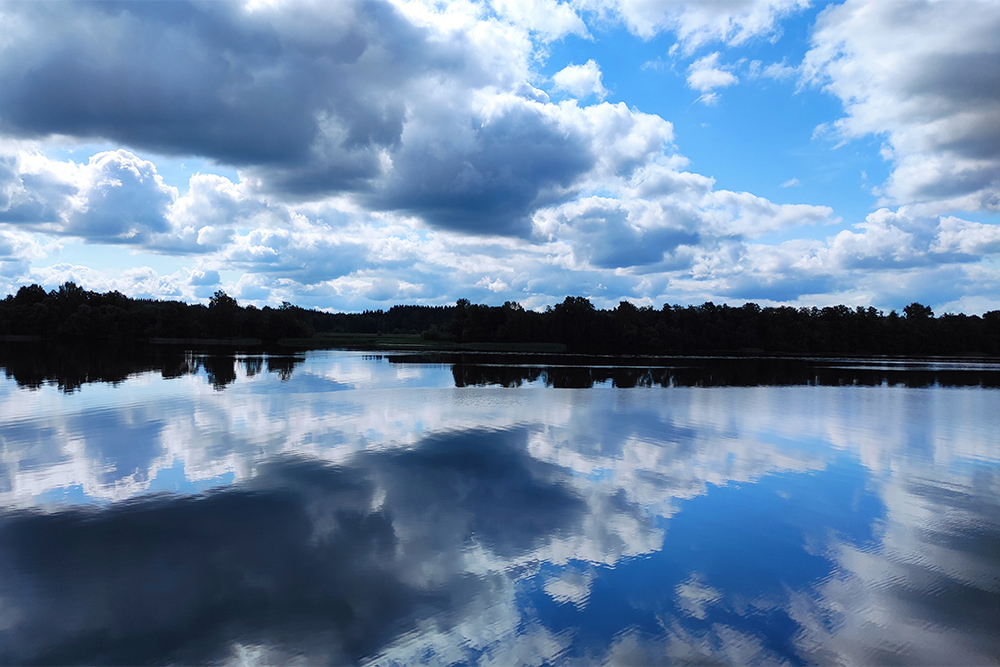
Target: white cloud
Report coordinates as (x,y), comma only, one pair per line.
(791,183)
(705,75)
(699,22)
(581,80)
(660,233)
(549,18)
(777,71)
(121,200)
(922,75)
(970,238)
(139,281)
(891,258)
(118,198)
(497,285)
(404,151)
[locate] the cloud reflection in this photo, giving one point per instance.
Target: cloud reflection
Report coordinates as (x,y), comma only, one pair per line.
(380,513)
(327,562)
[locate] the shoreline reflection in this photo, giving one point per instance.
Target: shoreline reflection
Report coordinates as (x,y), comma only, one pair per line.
(70,367)
(359,510)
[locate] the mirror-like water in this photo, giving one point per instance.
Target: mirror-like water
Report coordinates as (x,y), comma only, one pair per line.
(337,507)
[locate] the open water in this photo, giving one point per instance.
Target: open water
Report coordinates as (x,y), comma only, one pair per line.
(341,507)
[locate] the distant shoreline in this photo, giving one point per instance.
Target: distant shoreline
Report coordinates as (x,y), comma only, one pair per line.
(575,326)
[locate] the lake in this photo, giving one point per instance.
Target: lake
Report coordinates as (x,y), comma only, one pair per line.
(342,507)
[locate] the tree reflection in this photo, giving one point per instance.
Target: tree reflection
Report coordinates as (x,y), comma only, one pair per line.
(33,365)
(731,372)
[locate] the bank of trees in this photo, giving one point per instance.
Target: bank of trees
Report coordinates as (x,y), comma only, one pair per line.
(719,328)
(72,313)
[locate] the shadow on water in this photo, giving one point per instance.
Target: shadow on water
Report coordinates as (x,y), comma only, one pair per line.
(33,365)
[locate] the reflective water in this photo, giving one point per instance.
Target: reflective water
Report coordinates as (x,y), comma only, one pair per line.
(337,507)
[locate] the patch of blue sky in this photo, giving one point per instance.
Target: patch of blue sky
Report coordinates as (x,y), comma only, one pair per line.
(760,136)
(76,251)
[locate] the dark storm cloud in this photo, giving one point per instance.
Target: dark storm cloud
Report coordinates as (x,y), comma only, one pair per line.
(517,161)
(777,288)
(610,239)
(329,562)
(308,101)
(200,78)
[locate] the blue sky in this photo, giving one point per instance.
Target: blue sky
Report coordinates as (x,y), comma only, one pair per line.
(356,155)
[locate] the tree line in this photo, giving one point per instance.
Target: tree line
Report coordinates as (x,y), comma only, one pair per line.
(73,313)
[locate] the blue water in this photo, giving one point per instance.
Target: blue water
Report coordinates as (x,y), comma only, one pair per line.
(340,507)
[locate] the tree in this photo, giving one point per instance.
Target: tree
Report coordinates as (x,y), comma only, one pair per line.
(916,311)
(30,294)
(222,300)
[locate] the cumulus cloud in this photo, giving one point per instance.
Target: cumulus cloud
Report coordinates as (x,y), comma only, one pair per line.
(661,233)
(955,235)
(705,75)
(548,18)
(122,199)
(581,80)
(139,281)
(17,250)
(306,257)
(29,193)
(609,234)
(197,79)
(423,116)
(205,278)
(892,254)
(119,198)
(701,21)
(924,76)
(403,151)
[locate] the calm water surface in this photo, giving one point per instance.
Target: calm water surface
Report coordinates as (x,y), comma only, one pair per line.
(338,507)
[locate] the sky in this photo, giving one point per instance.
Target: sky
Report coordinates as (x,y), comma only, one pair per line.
(356,155)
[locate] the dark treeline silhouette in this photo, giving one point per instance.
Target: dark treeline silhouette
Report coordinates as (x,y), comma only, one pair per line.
(70,366)
(711,328)
(72,313)
(730,372)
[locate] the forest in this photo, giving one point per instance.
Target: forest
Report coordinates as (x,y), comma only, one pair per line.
(71,313)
